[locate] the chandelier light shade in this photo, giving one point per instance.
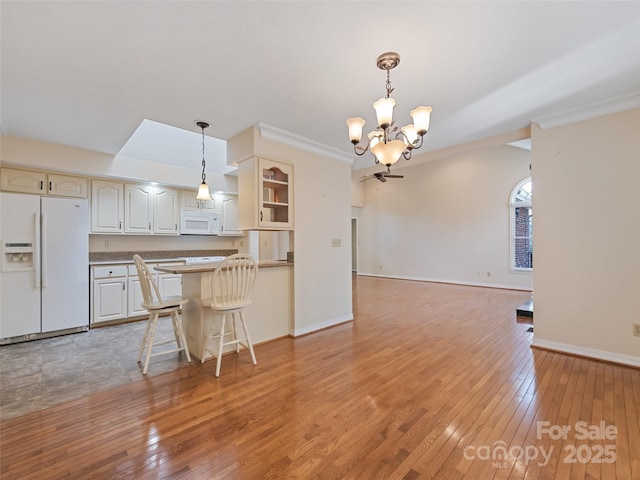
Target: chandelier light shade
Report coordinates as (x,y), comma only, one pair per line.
(203,189)
(385,142)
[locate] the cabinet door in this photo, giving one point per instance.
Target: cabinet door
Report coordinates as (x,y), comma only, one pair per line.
(138,208)
(265,191)
(274,194)
(229,214)
(135,298)
(170,284)
(165,211)
(23,181)
(106,207)
(190,202)
(109,299)
(66,185)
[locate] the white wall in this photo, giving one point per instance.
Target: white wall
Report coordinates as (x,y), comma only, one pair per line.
(586,204)
(446,220)
(322,273)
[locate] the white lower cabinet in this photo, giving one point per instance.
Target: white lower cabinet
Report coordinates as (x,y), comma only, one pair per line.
(116,292)
(170,284)
(134,300)
(109,293)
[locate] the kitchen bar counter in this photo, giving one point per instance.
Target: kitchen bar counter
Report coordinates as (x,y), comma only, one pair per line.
(269,316)
(100,258)
(208,267)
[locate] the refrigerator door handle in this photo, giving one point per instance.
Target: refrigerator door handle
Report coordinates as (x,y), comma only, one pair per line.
(36,251)
(44,250)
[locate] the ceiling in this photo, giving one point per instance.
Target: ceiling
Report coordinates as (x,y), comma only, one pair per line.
(88,74)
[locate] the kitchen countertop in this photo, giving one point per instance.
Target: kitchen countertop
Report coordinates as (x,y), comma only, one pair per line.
(209,267)
(107,258)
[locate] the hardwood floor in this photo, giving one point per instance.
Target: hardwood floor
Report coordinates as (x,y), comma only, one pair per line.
(429,381)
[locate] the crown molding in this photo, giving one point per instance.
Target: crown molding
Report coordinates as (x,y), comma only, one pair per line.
(282,136)
(613,105)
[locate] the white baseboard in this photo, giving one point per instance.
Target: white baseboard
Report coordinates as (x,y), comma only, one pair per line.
(586,352)
(296,332)
(452,282)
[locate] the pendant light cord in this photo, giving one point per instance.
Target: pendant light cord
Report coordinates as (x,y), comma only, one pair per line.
(203,164)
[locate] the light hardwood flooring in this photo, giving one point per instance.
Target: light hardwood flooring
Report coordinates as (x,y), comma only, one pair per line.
(427,382)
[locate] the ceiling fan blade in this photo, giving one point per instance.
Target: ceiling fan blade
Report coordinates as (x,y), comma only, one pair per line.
(366,177)
(381,178)
(394,176)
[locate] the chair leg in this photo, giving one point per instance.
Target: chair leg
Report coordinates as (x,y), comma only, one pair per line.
(150,340)
(220,344)
(246,334)
(234,331)
(145,339)
(180,339)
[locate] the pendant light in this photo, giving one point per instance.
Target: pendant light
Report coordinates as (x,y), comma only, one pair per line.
(386,147)
(203,190)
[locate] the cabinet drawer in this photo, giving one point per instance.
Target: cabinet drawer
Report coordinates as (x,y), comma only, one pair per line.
(110,271)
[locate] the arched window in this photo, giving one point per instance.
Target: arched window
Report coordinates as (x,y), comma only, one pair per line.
(520,216)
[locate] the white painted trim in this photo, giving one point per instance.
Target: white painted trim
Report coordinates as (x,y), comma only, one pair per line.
(452,282)
(586,352)
(293,140)
(296,332)
(614,105)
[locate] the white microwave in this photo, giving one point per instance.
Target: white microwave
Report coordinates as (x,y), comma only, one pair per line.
(198,223)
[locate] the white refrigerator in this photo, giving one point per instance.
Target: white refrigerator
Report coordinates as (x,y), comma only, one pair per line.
(44,274)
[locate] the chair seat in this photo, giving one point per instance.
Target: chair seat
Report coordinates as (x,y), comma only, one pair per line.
(226,308)
(166,302)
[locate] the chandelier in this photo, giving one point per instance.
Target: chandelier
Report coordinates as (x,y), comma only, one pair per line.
(387,143)
(203,189)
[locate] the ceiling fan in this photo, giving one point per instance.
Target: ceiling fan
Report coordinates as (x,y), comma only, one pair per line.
(382,176)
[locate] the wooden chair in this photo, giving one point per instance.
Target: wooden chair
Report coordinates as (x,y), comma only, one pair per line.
(156,305)
(231,287)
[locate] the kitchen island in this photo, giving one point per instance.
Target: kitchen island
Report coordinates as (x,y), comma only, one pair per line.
(270,315)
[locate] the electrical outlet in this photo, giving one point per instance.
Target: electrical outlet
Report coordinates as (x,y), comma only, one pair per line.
(636,329)
(107,244)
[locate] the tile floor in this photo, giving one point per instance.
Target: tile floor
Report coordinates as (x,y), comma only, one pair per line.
(38,374)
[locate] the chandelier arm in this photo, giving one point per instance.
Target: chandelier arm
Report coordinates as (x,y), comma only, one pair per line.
(358,150)
(407,154)
(420,141)
(363,150)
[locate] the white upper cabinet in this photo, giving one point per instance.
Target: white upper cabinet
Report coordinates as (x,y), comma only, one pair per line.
(66,185)
(265,190)
(190,202)
(23,181)
(134,209)
(166,211)
(151,210)
(138,208)
(229,216)
(107,208)
(29,181)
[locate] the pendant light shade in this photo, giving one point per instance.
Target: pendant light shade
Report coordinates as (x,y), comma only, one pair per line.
(203,192)
(388,153)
